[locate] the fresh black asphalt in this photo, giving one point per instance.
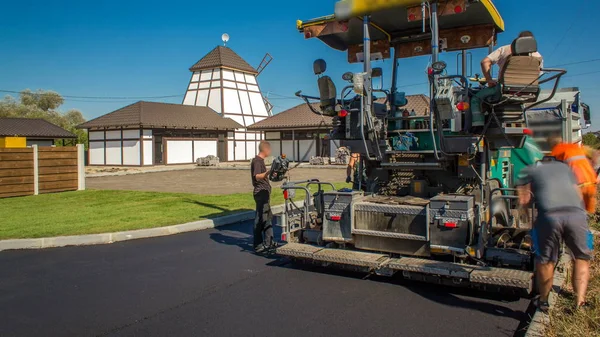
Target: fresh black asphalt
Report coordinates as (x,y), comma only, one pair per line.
(208,283)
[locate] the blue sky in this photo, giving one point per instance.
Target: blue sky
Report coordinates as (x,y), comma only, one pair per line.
(144,48)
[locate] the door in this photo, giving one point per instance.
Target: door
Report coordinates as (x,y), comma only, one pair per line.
(158,150)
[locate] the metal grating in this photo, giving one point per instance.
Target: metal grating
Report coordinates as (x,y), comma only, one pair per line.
(349,257)
(430,267)
(298,250)
(502,277)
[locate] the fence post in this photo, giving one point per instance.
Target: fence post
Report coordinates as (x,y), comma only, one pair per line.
(80,167)
(36,171)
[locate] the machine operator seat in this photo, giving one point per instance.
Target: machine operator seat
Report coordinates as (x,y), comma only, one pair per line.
(521,73)
(327,89)
(519,81)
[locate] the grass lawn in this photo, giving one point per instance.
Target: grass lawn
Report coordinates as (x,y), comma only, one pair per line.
(94,211)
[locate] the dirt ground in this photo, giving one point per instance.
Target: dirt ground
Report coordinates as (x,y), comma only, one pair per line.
(202,181)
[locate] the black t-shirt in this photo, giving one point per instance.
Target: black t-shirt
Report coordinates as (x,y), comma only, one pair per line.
(257,167)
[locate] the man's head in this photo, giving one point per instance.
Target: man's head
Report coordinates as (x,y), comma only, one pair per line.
(525,33)
(554,140)
(264,149)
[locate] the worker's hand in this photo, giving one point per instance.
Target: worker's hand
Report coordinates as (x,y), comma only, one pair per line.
(491,83)
(348,179)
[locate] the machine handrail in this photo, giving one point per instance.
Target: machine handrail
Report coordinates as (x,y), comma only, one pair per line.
(556,77)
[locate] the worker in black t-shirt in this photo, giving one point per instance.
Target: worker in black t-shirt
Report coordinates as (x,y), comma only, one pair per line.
(262,193)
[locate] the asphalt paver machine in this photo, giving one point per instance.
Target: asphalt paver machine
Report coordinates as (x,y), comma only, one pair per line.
(436,201)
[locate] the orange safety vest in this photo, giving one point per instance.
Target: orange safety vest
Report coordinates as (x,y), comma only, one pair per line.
(575,156)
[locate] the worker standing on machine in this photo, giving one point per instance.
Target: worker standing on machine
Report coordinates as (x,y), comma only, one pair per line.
(493,91)
(561,216)
(353,174)
(262,194)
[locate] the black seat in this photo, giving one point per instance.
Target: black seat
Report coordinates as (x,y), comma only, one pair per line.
(327,89)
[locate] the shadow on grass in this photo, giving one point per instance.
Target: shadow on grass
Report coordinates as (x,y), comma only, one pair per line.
(219,210)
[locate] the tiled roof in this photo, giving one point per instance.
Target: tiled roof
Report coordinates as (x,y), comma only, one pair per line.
(32,127)
(297,117)
(223,57)
(301,116)
(167,115)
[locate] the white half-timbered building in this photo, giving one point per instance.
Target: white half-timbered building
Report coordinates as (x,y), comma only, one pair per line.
(222,98)
(226,83)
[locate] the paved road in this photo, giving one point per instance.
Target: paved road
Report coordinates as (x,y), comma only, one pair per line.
(202,181)
(208,284)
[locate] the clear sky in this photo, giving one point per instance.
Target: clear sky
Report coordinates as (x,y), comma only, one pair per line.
(138,48)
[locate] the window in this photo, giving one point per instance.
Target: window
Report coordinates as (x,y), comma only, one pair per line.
(287,135)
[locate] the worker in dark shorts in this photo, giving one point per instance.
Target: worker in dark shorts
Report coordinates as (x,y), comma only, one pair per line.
(561,216)
(263,227)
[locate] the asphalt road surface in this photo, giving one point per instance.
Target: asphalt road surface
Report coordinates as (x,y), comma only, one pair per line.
(208,284)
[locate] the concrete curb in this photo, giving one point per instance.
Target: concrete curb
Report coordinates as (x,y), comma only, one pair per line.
(540,320)
(105,238)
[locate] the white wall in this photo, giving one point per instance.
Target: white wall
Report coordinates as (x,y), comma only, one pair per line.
(333,146)
(272,135)
(114,134)
(308,148)
(240,150)
(113,152)
(203,148)
(230,147)
(251,149)
(129,134)
(179,151)
(96,135)
(131,152)
(148,152)
(275,149)
(289,150)
(96,153)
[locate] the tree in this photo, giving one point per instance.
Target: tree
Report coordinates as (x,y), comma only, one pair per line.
(591,140)
(45,104)
(44,100)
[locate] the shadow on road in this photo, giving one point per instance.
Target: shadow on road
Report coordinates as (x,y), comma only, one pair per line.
(469,299)
(487,302)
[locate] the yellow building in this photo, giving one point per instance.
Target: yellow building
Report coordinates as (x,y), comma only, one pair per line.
(12,142)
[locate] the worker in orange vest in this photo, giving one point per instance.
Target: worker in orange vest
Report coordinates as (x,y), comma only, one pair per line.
(576,157)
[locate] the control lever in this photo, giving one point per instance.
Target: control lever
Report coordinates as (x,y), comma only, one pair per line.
(306,98)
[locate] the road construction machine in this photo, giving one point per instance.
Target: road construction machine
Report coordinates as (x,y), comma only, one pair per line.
(435,198)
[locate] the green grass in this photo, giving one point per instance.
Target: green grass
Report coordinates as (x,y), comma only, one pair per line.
(94,211)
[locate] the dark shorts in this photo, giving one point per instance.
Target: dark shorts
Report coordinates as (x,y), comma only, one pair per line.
(551,228)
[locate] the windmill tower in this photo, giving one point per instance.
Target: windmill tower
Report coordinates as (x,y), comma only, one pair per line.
(226,83)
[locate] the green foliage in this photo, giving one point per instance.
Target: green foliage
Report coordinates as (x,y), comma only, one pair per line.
(591,140)
(45,104)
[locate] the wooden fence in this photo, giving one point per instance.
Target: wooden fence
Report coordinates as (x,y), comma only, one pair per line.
(36,170)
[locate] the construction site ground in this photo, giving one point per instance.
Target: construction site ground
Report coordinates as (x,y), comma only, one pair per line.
(213,181)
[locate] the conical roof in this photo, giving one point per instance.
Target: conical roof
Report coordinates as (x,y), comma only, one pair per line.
(223,57)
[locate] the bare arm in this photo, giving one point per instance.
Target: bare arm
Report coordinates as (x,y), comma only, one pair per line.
(486,68)
(350,166)
(524,194)
(262,176)
(579,193)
